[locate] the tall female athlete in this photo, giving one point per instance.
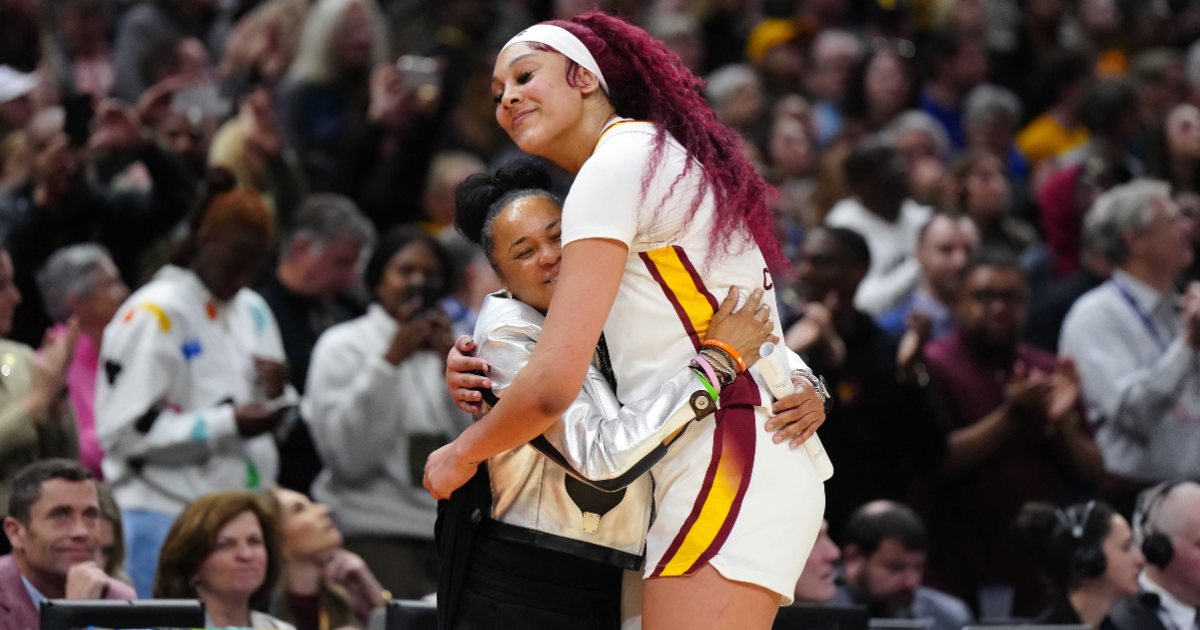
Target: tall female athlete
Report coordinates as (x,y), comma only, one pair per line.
(664,217)
(551,546)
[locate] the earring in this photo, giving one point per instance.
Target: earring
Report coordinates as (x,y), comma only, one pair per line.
(507,293)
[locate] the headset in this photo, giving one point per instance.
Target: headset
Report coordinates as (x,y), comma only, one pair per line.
(1156,546)
(1088,560)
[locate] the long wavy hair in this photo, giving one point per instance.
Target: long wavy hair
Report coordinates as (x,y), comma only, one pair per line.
(648,82)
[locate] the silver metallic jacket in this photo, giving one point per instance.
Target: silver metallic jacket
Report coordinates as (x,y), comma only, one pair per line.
(597,502)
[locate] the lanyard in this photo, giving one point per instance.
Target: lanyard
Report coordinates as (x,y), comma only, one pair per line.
(1146,321)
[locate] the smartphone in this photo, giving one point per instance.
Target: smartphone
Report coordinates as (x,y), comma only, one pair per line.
(430,294)
(78,124)
(427,297)
(203,100)
(422,75)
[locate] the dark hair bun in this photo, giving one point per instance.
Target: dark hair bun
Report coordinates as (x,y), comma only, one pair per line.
(1034,526)
(1066,557)
(476,195)
(218,180)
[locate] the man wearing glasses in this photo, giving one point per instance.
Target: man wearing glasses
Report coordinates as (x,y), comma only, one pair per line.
(1015,436)
(1135,341)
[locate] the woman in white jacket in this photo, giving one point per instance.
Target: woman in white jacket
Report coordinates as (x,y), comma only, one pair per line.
(377,406)
(193,377)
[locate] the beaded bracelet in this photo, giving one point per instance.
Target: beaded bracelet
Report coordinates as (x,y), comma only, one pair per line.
(728,349)
(725,371)
(715,358)
(727,365)
(725,358)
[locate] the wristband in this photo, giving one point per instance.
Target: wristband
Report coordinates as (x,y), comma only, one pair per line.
(708,387)
(708,370)
(728,349)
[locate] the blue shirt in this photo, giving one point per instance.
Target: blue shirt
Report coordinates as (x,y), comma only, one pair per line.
(921,302)
(34,594)
(951,120)
(462,319)
(1018,165)
(938,610)
(827,121)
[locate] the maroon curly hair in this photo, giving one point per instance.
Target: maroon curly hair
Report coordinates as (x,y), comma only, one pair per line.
(647,81)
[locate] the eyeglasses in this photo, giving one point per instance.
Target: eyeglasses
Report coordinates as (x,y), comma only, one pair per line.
(1189,210)
(822,261)
(1006,298)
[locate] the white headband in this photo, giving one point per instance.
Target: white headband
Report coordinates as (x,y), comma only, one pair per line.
(563,41)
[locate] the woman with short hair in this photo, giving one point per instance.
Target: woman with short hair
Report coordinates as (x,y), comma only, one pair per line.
(193,377)
(376,408)
(81,282)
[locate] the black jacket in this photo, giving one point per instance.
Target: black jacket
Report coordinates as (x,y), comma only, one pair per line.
(125,222)
(883,431)
(1060,613)
(1136,612)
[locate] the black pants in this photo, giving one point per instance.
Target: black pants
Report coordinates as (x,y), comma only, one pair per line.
(511,586)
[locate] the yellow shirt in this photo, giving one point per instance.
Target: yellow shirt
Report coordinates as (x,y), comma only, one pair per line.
(1045,138)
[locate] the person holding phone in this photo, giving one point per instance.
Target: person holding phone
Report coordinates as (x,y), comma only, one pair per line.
(377,407)
(59,205)
(193,377)
(345,108)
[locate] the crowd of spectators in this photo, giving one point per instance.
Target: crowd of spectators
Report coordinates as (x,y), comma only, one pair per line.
(229,280)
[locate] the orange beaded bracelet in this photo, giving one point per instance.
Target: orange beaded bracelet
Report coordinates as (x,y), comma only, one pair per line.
(728,349)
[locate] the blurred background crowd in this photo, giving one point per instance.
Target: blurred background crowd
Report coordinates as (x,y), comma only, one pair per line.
(229,281)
